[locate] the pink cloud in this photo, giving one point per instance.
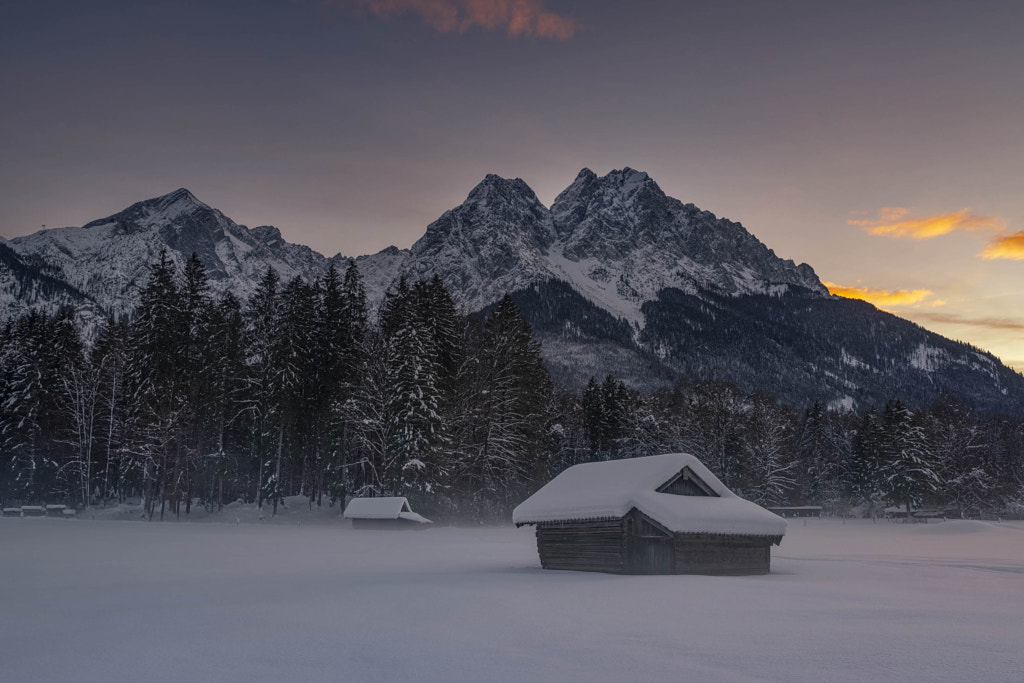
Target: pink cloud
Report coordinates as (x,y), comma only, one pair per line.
(527,18)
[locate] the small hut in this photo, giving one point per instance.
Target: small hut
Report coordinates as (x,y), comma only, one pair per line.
(797,511)
(663,514)
(383,513)
(56,510)
(33,511)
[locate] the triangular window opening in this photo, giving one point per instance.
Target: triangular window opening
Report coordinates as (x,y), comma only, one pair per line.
(645,529)
(686,483)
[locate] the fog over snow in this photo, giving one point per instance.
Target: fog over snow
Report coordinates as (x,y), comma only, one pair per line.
(84,600)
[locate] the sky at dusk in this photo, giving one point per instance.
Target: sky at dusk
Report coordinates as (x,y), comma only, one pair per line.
(881,142)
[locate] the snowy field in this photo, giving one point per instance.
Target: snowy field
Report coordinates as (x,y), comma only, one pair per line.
(84,600)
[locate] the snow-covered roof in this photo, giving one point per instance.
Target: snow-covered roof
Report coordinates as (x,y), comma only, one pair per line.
(382,508)
(413,517)
(609,490)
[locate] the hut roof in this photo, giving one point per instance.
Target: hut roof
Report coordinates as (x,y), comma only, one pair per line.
(609,490)
(382,508)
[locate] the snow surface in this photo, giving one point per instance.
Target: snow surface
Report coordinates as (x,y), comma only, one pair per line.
(608,490)
(104,601)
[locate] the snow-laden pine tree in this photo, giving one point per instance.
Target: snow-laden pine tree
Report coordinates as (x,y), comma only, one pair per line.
(592,408)
(294,361)
(78,400)
(399,406)
(907,475)
(195,305)
(505,436)
(264,376)
(222,359)
(156,383)
(34,362)
(818,472)
(609,417)
(861,476)
(958,450)
(766,443)
(109,354)
(712,429)
(343,325)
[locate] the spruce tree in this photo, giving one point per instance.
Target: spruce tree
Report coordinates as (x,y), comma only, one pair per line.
(296,359)
(264,376)
(766,439)
(512,395)
(907,475)
(156,383)
(109,355)
(861,478)
(224,360)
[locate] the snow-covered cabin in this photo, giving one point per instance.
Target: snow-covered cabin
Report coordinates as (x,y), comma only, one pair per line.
(663,514)
(383,513)
(33,511)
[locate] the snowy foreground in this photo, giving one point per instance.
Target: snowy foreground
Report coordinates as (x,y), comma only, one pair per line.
(85,600)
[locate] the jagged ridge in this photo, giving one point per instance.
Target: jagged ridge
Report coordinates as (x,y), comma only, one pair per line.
(617,276)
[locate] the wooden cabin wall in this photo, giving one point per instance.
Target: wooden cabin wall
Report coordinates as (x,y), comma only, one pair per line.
(616,547)
(387,524)
(583,546)
(722,555)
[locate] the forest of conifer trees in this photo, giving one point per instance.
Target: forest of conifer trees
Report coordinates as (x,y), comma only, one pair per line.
(201,401)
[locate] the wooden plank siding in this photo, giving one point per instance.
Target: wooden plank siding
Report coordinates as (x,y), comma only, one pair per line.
(636,544)
(594,546)
(722,554)
(380,524)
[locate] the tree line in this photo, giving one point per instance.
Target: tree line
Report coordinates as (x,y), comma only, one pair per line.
(943,457)
(204,400)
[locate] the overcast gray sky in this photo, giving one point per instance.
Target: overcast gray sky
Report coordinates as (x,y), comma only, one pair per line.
(880,142)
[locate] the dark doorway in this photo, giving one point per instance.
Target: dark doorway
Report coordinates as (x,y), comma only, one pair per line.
(652,556)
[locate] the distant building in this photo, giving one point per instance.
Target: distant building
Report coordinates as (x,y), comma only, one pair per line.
(797,511)
(383,513)
(663,514)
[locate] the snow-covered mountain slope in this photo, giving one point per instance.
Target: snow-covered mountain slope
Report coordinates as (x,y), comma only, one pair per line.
(108,259)
(495,242)
(616,277)
(27,282)
(622,240)
(618,239)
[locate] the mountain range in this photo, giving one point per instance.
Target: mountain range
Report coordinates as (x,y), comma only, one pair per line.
(615,276)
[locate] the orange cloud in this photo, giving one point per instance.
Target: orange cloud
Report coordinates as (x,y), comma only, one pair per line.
(1011,324)
(528,18)
(893,222)
(1006,247)
(880,297)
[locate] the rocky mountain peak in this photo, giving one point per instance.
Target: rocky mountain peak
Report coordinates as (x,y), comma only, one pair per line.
(615,200)
(492,243)
(267,234)
(502,194)
(626,180)
(180,197)
(163,209)
(497,208)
